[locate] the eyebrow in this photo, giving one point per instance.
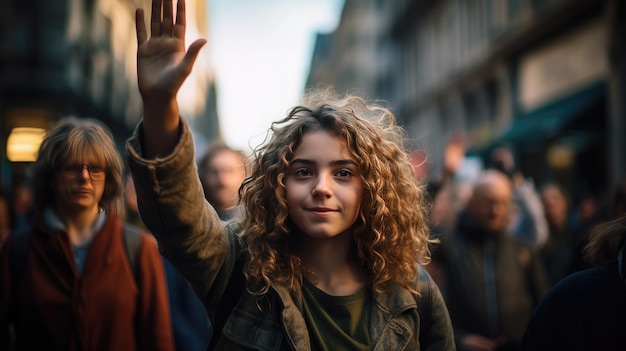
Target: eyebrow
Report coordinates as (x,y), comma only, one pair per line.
(332,163)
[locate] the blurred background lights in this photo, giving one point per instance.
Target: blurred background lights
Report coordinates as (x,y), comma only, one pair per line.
(23,144)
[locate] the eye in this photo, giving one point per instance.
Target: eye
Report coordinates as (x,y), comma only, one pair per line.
(302,172)
(344,173)
(96,169)
(74,167)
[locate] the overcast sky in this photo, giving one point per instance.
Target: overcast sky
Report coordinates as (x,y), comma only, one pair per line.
(261,51)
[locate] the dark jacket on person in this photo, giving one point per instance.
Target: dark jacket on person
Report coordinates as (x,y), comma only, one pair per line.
(211,257)
(492,282)
(192,329)
(584,311)
(107,307)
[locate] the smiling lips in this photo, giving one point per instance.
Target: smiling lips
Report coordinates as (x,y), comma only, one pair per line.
(321,211)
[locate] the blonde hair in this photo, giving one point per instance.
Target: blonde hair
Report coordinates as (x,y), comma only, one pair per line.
(71,139)
(391,235)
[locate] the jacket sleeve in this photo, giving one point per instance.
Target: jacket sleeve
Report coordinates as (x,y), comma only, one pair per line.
(435,325)
(154,322)
(172,205)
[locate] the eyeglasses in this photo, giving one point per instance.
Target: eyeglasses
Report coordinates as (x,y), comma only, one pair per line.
(70,172)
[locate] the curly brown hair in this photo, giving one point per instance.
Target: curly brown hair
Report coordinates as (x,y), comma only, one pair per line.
(391,235)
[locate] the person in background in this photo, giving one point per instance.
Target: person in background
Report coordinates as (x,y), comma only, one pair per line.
(492,281)
(222,170)
(528,222)
(329,253)
(587,309)
(130,201)
(192,329)
(558,251)
(447,194)
(67,283)
(22,207)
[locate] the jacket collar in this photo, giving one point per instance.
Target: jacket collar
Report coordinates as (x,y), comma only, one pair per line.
(383,327)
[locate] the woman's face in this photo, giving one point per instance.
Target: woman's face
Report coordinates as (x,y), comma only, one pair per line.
(323,186)
(79,184)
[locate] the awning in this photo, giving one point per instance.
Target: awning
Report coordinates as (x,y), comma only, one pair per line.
(549,121)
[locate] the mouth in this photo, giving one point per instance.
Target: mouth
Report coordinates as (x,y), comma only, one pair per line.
(321,210)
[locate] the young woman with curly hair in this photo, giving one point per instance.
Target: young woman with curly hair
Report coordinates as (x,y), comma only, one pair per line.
(329,254)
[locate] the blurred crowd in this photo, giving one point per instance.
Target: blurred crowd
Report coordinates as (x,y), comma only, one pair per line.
(504,241)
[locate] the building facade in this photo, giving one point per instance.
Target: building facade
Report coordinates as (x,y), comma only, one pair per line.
(544,77)
(78,58)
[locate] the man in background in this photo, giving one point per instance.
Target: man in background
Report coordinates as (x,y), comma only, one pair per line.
(222,170)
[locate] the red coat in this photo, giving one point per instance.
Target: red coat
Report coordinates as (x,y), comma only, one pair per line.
(103,309)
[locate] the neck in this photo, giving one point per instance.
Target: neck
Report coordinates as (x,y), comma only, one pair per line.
(331,266)
(79,224)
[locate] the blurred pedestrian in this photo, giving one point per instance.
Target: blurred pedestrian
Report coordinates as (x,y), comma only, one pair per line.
(329,253)
(558,251)
(130,203)
(68,283)
(492,281)
(448,191)
(528,222)
(222,170)
(192,328)
(587,309)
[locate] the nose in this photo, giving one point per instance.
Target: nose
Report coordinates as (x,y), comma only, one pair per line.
(84,172)
(322,187)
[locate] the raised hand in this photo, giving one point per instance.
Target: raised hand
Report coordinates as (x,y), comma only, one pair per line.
(162,67)
(162,63)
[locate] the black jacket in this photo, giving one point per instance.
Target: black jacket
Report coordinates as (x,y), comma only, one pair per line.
(584,311)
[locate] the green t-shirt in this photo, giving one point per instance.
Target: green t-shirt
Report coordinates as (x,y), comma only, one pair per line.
(337,322)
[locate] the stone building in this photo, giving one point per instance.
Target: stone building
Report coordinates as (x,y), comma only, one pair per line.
(546,77)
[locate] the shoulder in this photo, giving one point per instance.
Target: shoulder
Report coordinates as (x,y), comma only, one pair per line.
(430,299)
(435,324)
(589,289)
(589,282)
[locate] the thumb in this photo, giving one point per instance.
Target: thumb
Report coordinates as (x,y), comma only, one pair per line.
(192,53)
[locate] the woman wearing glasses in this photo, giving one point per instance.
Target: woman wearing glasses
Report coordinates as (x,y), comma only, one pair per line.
(70,283)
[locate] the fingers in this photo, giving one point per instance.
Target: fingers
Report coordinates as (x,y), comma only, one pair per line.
(181,21)
(180,13)
(168,18)
(192,53)
(140,27)
(155,21)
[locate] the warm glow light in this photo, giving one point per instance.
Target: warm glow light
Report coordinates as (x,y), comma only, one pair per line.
(23,144)
(560,156)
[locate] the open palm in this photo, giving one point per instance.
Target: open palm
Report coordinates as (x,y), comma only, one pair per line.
(162,63)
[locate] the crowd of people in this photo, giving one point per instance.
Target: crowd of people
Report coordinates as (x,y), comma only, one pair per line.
(322,239)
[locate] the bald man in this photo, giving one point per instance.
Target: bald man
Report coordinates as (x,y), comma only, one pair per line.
(491,281)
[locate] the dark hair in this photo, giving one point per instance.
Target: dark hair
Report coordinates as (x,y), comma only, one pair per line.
(605,241)
(213,149)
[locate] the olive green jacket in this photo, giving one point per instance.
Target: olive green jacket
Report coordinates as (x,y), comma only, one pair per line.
(209,255)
